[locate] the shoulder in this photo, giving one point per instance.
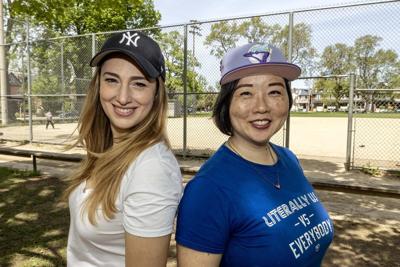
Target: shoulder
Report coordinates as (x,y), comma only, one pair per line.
(216,177)
(288,159)
(159,155)
(156,166)
(284,153)
(222,158)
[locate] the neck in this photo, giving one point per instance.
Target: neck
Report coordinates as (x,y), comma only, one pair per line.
(257,154)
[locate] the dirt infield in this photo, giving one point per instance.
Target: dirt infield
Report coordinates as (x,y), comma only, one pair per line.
(374,139)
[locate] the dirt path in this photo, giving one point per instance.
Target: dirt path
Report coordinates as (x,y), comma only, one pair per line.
(367,232)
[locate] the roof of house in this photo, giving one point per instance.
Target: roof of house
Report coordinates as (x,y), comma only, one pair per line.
(13,80)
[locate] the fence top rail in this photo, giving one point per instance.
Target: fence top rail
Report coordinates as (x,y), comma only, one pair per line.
(282,12)
(323,77)
(380,90)
(197,22)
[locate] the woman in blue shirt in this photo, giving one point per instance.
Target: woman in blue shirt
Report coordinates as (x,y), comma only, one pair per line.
(250,204)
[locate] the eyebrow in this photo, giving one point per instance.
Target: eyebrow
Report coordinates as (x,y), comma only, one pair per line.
(132,77)
(277,83)
(251,85)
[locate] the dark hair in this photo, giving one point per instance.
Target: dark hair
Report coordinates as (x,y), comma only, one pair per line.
(223,102)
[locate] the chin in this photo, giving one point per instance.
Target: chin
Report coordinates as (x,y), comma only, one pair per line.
(260,141)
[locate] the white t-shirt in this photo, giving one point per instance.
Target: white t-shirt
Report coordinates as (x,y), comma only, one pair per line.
(149,195)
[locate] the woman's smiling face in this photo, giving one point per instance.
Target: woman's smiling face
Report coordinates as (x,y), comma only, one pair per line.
(126,95)
(258,109)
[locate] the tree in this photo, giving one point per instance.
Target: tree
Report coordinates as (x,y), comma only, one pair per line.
(394,81)
(332,90)
(225,35)
(373,65)
(335,60)
(303,53)
(51,18)
(172,45)
(255,30)
(375,68)
(87,16)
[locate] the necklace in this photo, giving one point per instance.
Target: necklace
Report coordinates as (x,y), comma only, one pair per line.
(277,185)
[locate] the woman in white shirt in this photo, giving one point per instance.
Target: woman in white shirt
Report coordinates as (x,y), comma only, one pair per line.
(124,196)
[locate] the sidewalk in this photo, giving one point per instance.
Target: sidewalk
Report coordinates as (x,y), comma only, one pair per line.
(325,172)
(330,174)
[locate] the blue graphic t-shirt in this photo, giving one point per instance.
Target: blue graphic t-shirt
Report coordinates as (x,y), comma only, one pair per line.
(232,207)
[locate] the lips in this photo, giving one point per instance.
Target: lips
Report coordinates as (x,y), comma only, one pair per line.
(123,112)
(261,124)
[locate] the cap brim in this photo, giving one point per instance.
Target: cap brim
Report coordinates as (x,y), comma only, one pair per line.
(143,63)
(286,70)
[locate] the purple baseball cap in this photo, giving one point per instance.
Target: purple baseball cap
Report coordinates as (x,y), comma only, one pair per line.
(256,58)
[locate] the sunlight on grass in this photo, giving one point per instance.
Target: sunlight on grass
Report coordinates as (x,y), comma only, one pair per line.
(53,232)
(17,180)
(34,221)
(46,192)
(22,218)
(26,216)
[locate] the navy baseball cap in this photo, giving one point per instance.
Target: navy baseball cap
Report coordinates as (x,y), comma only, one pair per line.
(256,58)
(139,47)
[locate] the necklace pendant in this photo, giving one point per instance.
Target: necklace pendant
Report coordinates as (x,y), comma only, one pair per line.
(277,186)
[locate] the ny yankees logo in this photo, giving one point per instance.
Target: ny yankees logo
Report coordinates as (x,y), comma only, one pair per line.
(258,54)
(129,38)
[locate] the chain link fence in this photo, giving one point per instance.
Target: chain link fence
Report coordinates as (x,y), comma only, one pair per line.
(376,128)
(52,74)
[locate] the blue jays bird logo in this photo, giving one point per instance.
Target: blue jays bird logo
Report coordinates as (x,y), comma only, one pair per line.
(259,54)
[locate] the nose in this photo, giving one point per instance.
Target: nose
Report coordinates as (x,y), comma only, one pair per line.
(261,103)
(123,95)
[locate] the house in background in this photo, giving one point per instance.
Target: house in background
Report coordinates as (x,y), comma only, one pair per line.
(305,99)
(15,98)
(301,99)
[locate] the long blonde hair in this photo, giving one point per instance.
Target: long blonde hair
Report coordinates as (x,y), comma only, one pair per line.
(106,161)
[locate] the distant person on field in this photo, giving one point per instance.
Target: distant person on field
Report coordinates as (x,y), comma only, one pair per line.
(49,119)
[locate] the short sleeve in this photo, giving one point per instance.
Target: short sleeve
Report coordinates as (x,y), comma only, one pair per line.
(290,157)
(203,217)
(151,196)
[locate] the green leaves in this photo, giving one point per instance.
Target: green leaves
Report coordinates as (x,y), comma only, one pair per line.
(87,16)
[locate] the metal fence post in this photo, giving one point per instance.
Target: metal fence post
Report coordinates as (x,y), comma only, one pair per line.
(3,72)
(184,79)
(350,122)
(62,79)
(93,49)
(29,78)
(290,49)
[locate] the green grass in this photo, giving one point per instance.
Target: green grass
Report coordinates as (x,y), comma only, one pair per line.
(371,170)
(34,222)
(344,114)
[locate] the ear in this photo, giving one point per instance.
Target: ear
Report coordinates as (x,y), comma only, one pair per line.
(158,87)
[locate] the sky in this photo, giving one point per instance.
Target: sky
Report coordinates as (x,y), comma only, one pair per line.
(182,11)
(328,27)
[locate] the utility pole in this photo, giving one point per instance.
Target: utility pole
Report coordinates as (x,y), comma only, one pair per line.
(194,30)
(3,71)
